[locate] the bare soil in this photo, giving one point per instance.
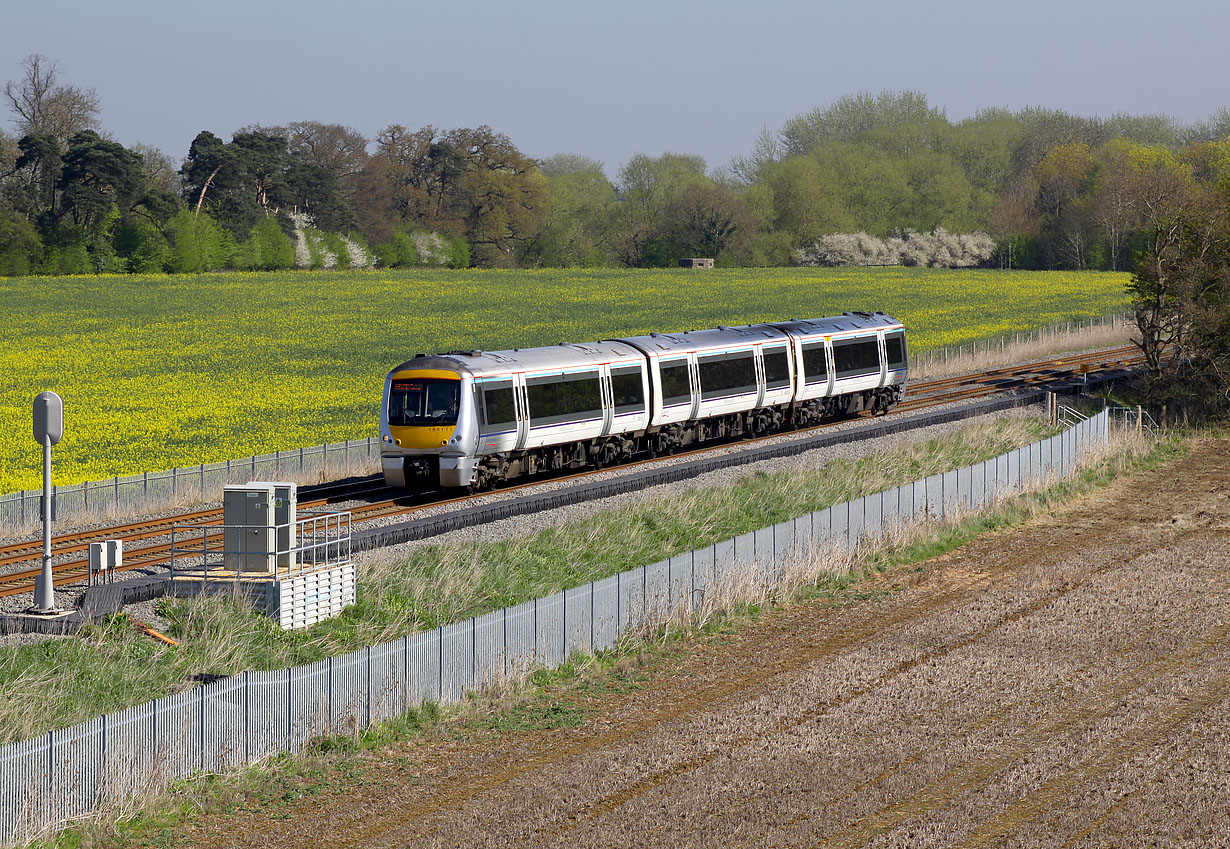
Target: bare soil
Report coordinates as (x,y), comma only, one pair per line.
(1065,683)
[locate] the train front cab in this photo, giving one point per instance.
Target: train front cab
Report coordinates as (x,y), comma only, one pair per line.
(427,413)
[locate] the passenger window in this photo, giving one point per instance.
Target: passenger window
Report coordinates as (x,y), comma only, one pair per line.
(894,347)
(560,398)
(676,388)
(856,357)
(776,368)
(815,366)
(722,375)
(628,390)
(498,409)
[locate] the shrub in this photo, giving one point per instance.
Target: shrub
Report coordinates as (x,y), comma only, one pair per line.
(21,249)
(267,249)
(937,249)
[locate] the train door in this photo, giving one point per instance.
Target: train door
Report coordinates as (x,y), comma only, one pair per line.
(608,399)
(883,357)
(694,372)
(828,356)
(522,409)
(758,360)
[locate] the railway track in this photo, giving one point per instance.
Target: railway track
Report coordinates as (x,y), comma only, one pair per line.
(922,395)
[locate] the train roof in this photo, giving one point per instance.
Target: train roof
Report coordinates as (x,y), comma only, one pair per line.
(565,355)
(838,324)
(724,338)
(568,355)
(717,339)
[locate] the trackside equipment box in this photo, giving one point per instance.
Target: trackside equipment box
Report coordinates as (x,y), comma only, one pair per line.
(285,517)
(248,528)
(259,525)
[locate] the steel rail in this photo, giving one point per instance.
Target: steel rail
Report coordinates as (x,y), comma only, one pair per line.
(935,393)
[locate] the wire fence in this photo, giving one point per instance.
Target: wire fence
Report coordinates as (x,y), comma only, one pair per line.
(67,774)
(952,356)
(203,482)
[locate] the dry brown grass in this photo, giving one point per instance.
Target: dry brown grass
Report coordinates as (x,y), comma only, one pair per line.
(999,353)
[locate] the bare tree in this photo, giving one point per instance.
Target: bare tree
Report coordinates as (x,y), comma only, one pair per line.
(1114,208)
(745,170)
(39,105)
(159,169)
(342,151)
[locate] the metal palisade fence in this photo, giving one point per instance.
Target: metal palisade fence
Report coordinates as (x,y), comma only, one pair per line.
(195,483)
(66,774)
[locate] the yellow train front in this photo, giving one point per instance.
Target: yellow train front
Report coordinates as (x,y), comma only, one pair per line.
(427,423)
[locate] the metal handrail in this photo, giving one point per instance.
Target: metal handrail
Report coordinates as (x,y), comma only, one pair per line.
(322,540)
(1136,417)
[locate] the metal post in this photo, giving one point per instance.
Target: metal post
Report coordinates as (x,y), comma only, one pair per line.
(44,596)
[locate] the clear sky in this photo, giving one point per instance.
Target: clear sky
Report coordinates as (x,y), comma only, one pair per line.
(610,79)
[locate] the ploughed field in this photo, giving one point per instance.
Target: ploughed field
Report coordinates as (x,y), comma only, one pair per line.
(167,371)
(1064,683)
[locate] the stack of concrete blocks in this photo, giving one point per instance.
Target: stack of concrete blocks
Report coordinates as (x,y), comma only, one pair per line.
(311,597)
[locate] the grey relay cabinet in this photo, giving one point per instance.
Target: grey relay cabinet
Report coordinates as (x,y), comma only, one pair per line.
(258,525)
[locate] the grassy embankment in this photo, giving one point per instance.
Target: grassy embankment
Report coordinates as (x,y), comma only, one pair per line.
(177,370)
(61,682)
(567,695)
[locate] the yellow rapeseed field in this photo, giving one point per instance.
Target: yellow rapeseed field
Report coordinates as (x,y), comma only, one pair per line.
(165,371)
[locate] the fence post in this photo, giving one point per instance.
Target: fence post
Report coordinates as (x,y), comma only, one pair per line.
(247,721)
(102,757)
(368,675)
(405,674)
(288,710)
(51,765)
(202,480)
(201,735)
(619,594)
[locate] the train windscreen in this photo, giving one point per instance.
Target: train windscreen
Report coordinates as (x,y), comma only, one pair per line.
(426,402)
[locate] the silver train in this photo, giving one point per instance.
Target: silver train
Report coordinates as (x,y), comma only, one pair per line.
(477,418)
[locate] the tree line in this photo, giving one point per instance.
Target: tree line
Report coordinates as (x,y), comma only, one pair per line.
(1032,188)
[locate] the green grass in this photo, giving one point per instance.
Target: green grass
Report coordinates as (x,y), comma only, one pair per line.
(61,682)
(566,695)
(166,371)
